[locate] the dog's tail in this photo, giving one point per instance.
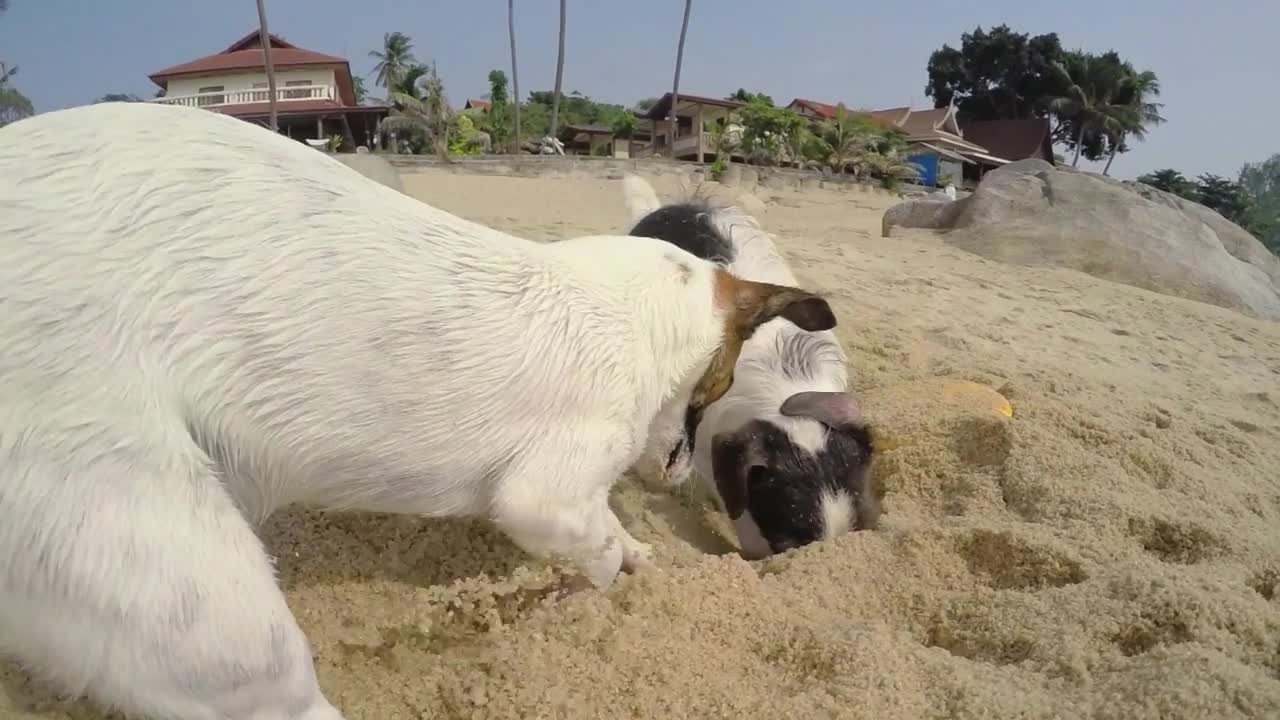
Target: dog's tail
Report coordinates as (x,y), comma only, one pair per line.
(640,198)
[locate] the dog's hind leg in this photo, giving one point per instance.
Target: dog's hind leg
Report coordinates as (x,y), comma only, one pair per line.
(129,575)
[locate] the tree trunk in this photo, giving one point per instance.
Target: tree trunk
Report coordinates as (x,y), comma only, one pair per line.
(555,100)
(1115,147)
(265,39)
(515,79)
(675,85)
(1079,142)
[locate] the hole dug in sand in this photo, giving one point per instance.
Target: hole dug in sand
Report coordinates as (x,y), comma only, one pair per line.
(1004,561)
(1173,541)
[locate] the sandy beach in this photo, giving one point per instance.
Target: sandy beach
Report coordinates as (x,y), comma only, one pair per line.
(1112,550)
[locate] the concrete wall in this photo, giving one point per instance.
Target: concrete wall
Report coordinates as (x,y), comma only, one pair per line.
(745,177)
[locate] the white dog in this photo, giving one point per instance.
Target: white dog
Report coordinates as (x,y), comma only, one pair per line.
(786,449)
(204,321)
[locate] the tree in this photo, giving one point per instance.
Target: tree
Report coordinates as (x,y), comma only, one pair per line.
(499,107)
(672,118)
(743,96)
(1137,112)
(1261,183)
(843,138)
(14,105)
(118,97)
(394,60)
(1225,196)
(358,88)
(1171,181)
(1091,86)
(995,75)
(425,109)
(264,39)
(515,79)
(767,131)
(555,106)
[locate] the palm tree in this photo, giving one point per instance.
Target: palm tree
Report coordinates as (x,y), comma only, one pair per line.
(843,140)
(1088,104)
(394,61)
(1138,111)
(264,39)
(515,79)
(555,100)
(424,108)
(675,84)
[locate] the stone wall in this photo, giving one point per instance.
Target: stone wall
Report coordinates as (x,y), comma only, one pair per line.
(744,177)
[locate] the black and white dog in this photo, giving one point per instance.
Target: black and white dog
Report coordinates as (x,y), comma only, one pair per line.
(786,449)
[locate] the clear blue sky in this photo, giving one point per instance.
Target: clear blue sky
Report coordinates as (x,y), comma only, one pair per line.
(1215,60)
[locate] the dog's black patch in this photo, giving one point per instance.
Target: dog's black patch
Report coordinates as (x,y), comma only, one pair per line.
(688,226)
(760,470)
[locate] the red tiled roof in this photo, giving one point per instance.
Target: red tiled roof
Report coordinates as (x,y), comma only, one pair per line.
(246,54)
(823,110)
(1012,139)
(477,104)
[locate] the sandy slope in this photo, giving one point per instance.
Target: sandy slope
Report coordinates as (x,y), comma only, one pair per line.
(1112,551)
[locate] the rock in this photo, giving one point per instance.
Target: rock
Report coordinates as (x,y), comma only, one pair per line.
(1031,213)
(934,212)
(374,167)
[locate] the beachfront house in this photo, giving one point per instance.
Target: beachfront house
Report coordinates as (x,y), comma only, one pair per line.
(315,92)
(938,145)
(1014,139)
(697,119)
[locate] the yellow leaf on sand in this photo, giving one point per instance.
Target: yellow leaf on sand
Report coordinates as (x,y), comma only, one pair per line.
(976,395)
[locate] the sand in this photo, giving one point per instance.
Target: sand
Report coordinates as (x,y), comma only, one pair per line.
(1110,551)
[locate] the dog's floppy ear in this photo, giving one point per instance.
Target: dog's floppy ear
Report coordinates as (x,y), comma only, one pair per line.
(639,197)
(733,455)
(748,305)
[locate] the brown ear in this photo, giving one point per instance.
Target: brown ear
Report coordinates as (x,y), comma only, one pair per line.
(755,303)
(749,305)
(730,463)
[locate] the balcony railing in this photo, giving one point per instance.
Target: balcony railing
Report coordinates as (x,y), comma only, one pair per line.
(249,97)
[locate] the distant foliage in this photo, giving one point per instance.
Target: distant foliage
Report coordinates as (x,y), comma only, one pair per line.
(1252,201)
(1098,102)
(500,118)
(743,96)
(118,97)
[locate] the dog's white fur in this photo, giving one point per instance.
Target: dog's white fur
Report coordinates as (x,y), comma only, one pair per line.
(204,321)
(759,387)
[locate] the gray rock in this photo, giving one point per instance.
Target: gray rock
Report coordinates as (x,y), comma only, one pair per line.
(1031,213)
(934,212)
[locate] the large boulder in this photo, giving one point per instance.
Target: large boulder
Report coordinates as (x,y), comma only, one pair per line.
(1032,213)
(935,211)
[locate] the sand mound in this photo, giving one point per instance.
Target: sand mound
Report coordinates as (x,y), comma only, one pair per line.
(1109,551)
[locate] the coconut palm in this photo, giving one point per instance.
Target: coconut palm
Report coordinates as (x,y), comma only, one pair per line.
(1089,103)
(555,101)
(425,109)
(1138,112)
(515,79)
(394,61)
(843,138)
(264,39)
(675,84)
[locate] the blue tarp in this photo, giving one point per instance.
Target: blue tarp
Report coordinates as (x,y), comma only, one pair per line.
(928,163)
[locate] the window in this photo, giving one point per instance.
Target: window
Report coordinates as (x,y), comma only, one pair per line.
(260,85)
(207,98)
